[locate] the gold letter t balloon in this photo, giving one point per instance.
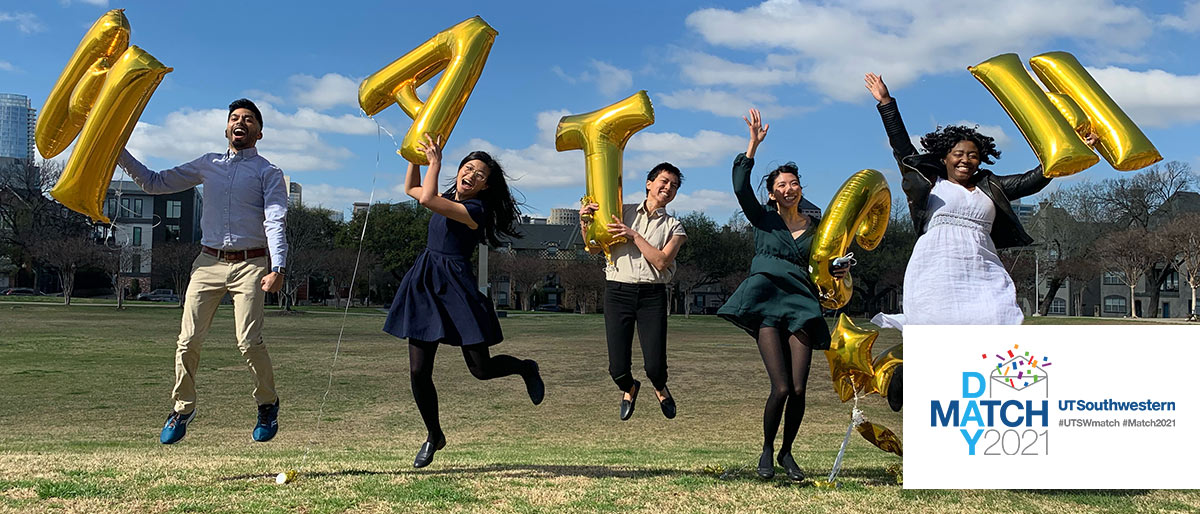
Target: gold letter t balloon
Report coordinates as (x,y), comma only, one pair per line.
(99,97)
(461,51)
(602,135)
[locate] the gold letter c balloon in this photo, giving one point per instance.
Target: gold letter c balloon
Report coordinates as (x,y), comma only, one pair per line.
(460,51)
(859,211)
(602,135)
(99,96)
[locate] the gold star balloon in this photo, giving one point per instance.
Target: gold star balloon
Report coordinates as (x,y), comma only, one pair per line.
(849,357)
(885,366)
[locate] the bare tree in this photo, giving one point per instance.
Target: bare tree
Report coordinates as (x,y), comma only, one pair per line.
(310,232)
(1130,253)
(583,280)
(1182,238)
(118,263)
(173,261)
(525,272)
(28,214)
(65,255)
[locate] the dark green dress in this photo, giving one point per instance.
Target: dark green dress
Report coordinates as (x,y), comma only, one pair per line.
(778,292)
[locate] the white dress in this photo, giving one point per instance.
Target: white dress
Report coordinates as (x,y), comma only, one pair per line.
(954,276)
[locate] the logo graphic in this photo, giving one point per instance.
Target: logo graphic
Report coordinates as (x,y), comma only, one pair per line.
(1019,371)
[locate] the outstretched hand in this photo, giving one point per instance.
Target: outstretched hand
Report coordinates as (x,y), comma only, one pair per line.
(432,149)
(877,88)
(758,131)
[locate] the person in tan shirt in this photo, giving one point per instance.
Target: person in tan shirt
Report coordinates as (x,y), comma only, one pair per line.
(635,290)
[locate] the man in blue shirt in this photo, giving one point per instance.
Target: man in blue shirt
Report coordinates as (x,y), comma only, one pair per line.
(245,205)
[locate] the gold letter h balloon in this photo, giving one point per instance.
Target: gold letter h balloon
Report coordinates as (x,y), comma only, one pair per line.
(99,97)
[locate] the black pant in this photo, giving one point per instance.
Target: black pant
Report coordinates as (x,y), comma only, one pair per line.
(646,306)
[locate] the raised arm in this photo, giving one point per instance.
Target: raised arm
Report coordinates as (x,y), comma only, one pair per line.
(171,180)
(897,135)
(427,195)
(743,164)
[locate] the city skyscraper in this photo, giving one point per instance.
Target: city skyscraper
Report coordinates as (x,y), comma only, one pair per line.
(17,122)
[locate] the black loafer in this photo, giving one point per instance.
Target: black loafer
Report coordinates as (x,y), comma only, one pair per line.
(627,405)
(534,384)
(766,468)
(895,390)
(425,455)
(789,465)
(667,405)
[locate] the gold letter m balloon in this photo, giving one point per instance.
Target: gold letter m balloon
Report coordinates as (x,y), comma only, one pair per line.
(602,135)
(461,51)
(99,97)
(1054,123)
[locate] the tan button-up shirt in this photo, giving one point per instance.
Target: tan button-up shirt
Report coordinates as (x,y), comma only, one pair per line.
(629,265)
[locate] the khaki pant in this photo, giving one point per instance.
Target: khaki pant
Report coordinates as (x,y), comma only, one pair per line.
(211,279)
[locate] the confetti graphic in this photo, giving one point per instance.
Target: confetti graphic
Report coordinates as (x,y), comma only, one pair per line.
(1024,365)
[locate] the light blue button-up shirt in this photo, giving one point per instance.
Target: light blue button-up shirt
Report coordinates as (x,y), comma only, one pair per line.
(245,198)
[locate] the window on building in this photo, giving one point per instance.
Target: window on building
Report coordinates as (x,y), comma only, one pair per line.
(137,236)
(1114,278)
(1058,307)
(135,263)
(172,233)
(111,208)
(174,208)
(137,207)
(126,208)
(1171,283)
(1115,305)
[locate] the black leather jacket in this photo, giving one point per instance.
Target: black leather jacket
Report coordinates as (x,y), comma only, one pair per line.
(920,172)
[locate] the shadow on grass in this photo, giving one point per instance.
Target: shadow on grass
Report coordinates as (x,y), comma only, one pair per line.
(511,470)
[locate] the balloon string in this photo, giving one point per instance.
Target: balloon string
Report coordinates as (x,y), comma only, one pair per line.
(349,299)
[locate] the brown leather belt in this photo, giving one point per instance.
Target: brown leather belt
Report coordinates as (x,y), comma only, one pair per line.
(235,256)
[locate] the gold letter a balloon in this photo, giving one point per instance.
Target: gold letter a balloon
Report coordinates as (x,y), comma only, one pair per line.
(99,96)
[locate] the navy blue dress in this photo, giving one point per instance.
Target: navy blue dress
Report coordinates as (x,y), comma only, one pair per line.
(438,299)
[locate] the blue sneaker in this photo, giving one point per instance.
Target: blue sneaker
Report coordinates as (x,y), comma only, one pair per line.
(176,427)
(267,423)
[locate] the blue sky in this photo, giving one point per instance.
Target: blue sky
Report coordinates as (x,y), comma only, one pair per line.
(702,64)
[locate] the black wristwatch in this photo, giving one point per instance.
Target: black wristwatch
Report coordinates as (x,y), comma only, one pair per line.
(279,269)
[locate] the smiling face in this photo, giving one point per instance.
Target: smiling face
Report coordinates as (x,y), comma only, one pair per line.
(242,129)
(786,191)
(663,188)
(962,161)
(472,179)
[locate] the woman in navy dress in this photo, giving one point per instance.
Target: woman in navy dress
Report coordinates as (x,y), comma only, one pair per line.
(438,302)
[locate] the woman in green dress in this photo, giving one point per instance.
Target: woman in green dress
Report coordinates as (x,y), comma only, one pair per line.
(777,304)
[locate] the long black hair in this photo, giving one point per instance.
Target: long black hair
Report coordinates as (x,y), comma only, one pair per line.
(500,210)
(769,181)
(942,140)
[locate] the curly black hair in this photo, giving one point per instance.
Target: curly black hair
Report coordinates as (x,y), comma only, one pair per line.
(501,211)
(940,141)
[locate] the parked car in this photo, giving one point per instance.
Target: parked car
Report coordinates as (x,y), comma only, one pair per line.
(548,307)
(21,291)
(159,295)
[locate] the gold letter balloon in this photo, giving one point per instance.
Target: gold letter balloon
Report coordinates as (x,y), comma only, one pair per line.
(459,53)
(99,97)
(602,135)
(1056,122)
(859,211)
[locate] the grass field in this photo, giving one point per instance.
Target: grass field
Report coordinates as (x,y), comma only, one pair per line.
(85,390)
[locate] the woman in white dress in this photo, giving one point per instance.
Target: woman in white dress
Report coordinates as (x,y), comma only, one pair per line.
(962,214)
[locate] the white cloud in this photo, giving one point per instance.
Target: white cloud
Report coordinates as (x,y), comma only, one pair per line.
(831,45)
(259,96)
(705,148)
(1187,21)
(26,22)
(705,200)
(331,196)
(291,141)
(329,90)
(609,80)
(7,66)
(1152,98)
(727,103)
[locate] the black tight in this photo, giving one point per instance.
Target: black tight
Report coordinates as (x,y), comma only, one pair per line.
(787,365)
(482,364)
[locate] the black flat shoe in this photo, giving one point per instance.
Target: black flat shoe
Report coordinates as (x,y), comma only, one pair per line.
(789,465)
(627,405)
(425,455)
(534,384)
(766,469)
(667,405)
(895,392)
